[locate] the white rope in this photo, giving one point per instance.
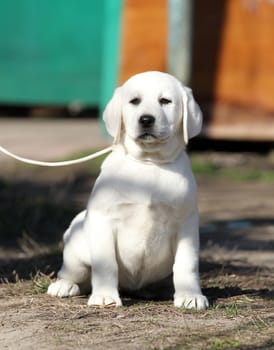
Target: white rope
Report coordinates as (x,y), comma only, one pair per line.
(56,164)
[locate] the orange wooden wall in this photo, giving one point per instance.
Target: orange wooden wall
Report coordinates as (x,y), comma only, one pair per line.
(143,37)
(233,47)
(233,67)
(245,71)
(233,52)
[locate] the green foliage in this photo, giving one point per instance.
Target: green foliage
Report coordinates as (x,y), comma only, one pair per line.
(204,168)
(94,166)
(232,310)
(41,282)
(222,344)
(201,168)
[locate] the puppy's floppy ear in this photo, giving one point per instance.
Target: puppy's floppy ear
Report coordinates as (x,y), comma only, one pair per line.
(192,115)
(112,115)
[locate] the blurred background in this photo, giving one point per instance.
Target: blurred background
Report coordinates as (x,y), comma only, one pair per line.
(66,58)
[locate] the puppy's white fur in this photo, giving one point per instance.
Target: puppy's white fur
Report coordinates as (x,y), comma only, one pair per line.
(141,223)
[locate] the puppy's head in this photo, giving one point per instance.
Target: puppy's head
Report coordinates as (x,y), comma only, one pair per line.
(151,109)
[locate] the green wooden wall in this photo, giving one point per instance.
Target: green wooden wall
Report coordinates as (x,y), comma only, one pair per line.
(58,52)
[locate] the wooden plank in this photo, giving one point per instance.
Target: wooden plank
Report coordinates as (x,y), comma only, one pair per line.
(230,122)
(144,37)
(233,52)
(245,69)
(233,68)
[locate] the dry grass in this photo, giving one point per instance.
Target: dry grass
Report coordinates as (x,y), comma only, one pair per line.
(239,318)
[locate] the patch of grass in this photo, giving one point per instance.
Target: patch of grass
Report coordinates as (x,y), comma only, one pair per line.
(94,164)
(222,344)
(41,282)
(204,168)
(232,310)
(208,169)
(269,342)
(248,175)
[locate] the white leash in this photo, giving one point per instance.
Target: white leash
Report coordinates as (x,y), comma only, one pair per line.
(56,164)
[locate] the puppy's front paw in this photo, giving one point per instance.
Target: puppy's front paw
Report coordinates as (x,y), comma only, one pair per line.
(104,300)
(63,288)
(196,301)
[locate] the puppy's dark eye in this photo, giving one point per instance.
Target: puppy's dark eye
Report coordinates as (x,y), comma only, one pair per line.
(135,101)
(164,101)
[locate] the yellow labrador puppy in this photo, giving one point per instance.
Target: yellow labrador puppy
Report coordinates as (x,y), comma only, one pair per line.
(141,223)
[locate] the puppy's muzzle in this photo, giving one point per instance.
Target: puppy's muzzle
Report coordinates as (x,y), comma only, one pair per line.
(146,121)
(146,126)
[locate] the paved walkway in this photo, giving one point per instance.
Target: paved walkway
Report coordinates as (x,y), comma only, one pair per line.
(50,139)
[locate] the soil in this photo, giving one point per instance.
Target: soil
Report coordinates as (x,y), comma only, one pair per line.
(236,267)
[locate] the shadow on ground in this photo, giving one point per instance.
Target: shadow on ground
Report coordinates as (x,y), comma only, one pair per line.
(34,214)
(39,210)
(239,233)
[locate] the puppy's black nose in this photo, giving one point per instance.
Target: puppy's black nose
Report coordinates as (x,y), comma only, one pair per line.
(146,120)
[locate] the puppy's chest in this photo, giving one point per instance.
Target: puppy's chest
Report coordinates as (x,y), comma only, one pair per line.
(145,237)
(150,186)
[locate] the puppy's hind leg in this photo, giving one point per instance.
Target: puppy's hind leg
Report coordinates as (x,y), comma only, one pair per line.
(63,288)
(72,280)
(74,276)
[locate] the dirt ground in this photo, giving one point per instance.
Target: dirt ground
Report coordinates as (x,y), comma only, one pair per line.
(237,269)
